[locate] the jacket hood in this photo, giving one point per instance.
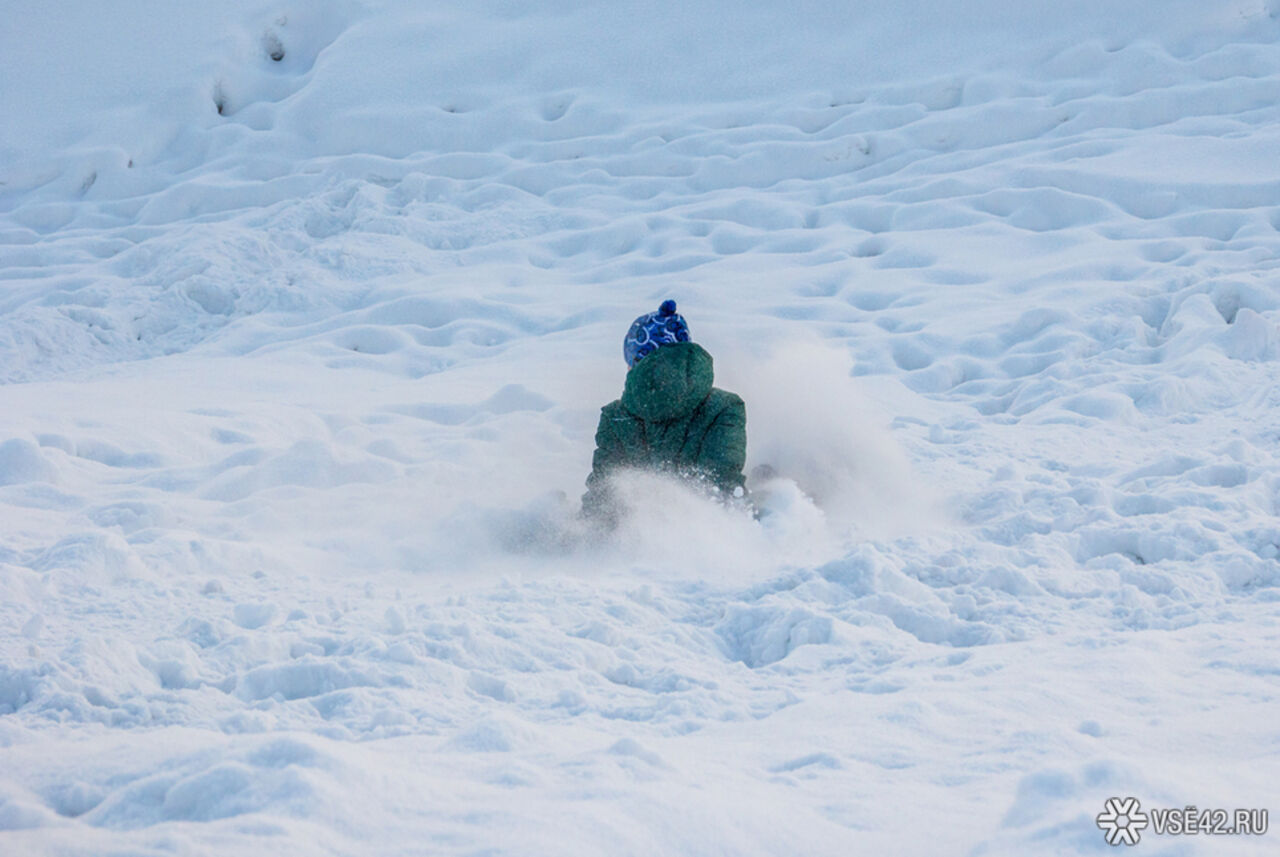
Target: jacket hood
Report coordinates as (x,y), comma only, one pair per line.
(669,382)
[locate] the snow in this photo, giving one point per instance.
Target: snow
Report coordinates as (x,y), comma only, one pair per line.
(306,316)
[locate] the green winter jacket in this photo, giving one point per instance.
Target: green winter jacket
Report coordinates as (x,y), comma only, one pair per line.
(671,419)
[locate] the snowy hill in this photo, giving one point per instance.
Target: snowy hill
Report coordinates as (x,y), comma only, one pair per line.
(306,315)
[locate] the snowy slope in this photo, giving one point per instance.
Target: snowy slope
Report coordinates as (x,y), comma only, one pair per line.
(306,314)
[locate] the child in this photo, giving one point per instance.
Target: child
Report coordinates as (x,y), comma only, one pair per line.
(669,418)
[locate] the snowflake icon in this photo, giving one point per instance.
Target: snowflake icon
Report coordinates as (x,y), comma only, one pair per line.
(1121,821)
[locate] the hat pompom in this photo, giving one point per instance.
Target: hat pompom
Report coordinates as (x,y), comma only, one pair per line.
(668,308)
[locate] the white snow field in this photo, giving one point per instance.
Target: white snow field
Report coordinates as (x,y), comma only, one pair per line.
(307,313)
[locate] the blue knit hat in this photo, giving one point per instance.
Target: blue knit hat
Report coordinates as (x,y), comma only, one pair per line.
(652,330)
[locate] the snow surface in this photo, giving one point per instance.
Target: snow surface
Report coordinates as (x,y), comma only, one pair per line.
(307,312)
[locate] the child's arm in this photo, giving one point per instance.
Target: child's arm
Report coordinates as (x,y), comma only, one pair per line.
(607,457)
(724,449)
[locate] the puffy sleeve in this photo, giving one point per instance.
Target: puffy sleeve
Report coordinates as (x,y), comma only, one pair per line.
(724,449)
(607,457)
